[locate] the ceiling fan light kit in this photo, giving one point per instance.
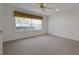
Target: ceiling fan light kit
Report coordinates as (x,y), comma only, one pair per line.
(57,9)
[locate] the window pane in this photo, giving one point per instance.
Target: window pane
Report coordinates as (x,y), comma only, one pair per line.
(27,24)
(23,24)
(36,24)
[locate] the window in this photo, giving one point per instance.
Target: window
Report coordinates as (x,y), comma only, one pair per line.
(26,22)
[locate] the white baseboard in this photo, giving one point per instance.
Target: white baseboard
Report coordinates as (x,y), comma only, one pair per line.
(26,37)
(63,37)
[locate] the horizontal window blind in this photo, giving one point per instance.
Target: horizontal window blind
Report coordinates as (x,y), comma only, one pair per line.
(26,15)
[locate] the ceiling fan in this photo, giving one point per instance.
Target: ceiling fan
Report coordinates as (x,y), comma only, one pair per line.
(43,7)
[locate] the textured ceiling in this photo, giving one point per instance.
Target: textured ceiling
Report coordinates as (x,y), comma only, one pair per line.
(35,7)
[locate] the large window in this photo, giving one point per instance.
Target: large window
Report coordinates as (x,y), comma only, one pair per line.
(25,22)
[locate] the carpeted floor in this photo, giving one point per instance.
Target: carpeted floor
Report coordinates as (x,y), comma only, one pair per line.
(42,45)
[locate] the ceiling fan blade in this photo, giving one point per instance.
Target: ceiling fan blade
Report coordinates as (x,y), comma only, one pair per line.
(37,5)
(48,7)
(41,4)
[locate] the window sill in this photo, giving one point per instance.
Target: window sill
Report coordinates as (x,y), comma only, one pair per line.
(28,31)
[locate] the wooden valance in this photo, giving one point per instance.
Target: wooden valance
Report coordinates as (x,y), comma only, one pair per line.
(26,15)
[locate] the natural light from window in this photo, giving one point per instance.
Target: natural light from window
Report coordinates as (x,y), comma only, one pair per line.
(27,24)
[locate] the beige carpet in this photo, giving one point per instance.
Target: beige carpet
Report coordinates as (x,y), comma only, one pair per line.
(42,45)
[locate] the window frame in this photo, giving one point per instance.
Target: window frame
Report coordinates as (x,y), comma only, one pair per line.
(31,26)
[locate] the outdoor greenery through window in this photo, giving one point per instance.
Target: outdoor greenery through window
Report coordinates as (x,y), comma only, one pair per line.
(27,24)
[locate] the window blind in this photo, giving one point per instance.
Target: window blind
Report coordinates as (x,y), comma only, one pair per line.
(26,15)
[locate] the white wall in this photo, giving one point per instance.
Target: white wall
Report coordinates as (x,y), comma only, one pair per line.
(1,28)
(65,24)
(9,25)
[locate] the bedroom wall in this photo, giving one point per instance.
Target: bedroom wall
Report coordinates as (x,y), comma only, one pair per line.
(9,25)
(65,24)
(1,28)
